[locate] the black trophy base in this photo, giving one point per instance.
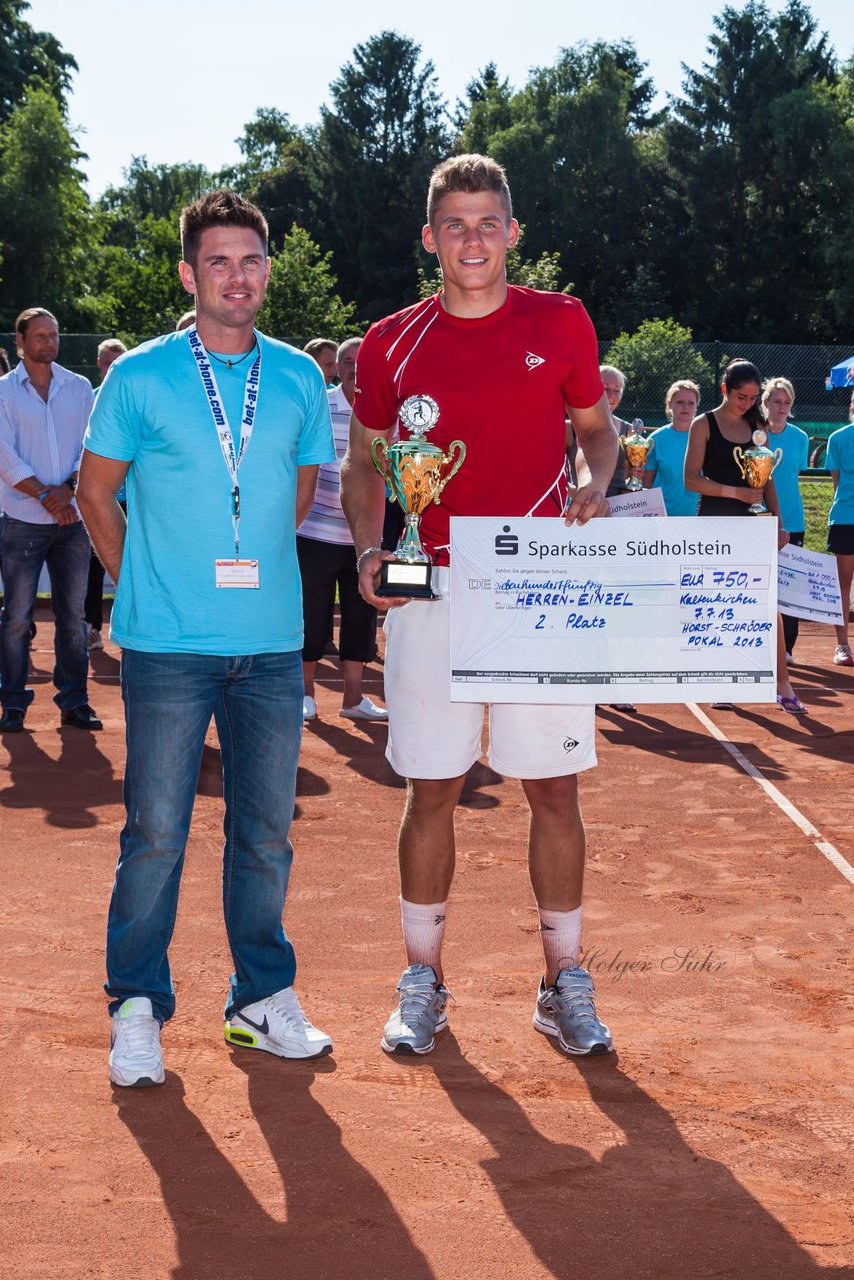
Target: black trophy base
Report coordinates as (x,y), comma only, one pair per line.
(401,578)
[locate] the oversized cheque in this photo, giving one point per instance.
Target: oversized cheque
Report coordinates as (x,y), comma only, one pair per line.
(641,610)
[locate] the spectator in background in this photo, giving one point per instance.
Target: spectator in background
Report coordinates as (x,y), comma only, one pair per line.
(614,382)
(324,352)
(4,362)
(93,606)
(327,560)
(44,410)
(711,470)
(188,318)
(665,462)
(840,532)
(778,396)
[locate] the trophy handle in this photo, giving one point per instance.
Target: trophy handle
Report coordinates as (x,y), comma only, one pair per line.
(778,458)
(379,455)
(457,461)
(738,454)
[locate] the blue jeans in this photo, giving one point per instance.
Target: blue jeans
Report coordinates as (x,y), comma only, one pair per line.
(169,700)
(24,549)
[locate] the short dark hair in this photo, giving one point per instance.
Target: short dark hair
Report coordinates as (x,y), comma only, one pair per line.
(220,208)
(32,313)
(315,345)
(470,174)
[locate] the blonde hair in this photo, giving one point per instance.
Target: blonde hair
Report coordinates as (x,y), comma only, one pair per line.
(615,373)
(683,384)
(112,344)
(777,384)
(470,174)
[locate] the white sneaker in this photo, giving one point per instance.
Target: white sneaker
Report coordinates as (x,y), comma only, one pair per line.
(364,710)
(309,708)
(278,1025)
(94,639)
(136,1059)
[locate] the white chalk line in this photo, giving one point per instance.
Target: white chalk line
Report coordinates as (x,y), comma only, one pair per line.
(824,847)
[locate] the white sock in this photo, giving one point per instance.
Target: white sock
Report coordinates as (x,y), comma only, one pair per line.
(561,935)
(423,930)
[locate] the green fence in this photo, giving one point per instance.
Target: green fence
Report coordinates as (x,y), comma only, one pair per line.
(818,411)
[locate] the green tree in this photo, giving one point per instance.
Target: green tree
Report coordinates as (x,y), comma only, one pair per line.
(753,189)
(274,172)
(48,241)
(578,168)
(156,191)
(302,299)
(29,58)
(370,165)
(485,111)
(656,355)
(138,284)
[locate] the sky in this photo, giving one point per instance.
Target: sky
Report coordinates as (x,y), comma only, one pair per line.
(176,81)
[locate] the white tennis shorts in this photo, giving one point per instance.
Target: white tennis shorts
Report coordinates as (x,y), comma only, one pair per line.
(431,737)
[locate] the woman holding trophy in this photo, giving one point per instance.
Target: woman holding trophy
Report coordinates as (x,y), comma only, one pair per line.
(665,463)
(720,464)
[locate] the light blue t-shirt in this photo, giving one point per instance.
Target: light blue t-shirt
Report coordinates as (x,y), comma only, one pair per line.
(840,457)
(152,412)
(796,447)
(667,459)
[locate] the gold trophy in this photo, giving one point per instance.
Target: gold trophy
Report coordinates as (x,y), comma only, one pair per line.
(757,466)
(636,447)
(413,470)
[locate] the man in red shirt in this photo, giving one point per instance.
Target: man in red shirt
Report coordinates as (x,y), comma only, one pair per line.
(503,364)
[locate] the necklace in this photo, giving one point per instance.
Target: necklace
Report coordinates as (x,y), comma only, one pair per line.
(229,364)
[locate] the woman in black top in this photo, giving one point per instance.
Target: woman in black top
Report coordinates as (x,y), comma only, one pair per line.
(710,466)
(712,472)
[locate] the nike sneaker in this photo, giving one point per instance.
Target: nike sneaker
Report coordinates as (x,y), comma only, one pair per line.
(136,1059)
(277,1025)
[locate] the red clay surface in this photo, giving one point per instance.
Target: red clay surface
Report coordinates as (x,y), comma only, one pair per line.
(715,1143)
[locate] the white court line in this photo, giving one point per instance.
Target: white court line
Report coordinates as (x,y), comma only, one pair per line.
(824,846)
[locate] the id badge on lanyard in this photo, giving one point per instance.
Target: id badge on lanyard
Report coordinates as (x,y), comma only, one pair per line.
(236,572)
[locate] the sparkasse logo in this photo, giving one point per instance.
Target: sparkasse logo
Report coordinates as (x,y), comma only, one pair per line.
(506,546)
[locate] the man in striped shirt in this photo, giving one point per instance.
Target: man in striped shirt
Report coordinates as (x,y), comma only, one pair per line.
(327,560)
(44,410)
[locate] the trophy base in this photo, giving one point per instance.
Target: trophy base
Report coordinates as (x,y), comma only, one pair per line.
(633,485)
(403,578)
(758,509)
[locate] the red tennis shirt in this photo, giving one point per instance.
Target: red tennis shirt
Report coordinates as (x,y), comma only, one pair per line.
(502,383)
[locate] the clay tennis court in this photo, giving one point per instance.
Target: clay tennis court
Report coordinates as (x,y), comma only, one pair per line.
(715,1143)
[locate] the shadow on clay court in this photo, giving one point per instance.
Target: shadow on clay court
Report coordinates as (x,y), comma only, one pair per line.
(339,1221)
(648,732)
(649,1207)
(103,667)
(67,789)
(363,746)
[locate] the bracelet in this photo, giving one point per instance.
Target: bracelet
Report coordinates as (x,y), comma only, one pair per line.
(369,551)
(43,495)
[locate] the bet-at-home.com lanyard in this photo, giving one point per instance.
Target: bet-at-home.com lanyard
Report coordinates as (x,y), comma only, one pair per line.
(231,456)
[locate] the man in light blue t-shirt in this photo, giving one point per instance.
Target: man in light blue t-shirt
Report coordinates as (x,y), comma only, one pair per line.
(218,433)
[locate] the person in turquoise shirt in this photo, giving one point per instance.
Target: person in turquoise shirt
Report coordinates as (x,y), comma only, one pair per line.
(665,462)
(840,533)
(218,432)
(778,396)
